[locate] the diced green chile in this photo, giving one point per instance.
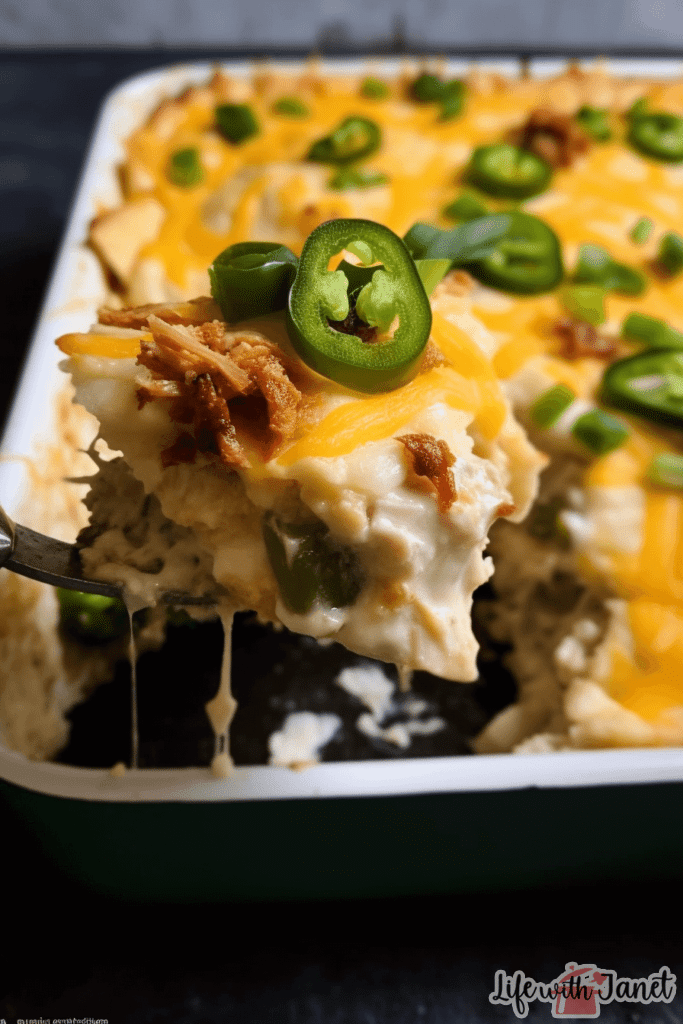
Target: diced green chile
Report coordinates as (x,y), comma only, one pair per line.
(290,106)
(666,470)
(585,302)
(252,278)
(353,139)
(508,171)
(649,384)
(595,122)
(670,253)
(356,177)
(184,167)
(345,358)
(596,266)
(599,432)
(641,230)
(432,89)
(548,408)
(374,88)
(651,331)
(309,566)
(511,251)
(236,122)
(92,617)
(656,133)
(427,88)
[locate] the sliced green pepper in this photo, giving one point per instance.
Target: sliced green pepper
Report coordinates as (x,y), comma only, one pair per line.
(656,133)
(431,89)
(252,278)
(526,260)
(465,207)
(353,139)
(92,617)
(596,266)
(585,302)
(649,384)
(318,297)
(670,254)
(356,177)
(308,565)
(508,171)
(595,122)
(666,470)
(511,251)
(651,331)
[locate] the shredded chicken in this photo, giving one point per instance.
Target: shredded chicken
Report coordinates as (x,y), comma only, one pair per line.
(199,368)
(581,339)
(431,459)
(196,311)
(555,137)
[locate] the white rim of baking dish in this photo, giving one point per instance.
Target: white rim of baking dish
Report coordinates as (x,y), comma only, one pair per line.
(75,291)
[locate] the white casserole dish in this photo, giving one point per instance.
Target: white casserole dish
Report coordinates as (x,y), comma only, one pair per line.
(77,288)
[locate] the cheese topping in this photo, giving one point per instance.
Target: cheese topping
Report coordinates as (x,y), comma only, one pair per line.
(484,337)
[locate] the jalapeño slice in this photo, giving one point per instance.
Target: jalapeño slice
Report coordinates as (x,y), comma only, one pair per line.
(526,260)
(394,290)
(508,171)
(649,384)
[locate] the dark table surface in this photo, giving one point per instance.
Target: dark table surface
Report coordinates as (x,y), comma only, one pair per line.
(70,954)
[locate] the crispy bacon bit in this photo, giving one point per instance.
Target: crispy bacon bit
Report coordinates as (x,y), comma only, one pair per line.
(431,458)
(199,368)
(505,509)
(555,137)
(581,339)
(433,356)
(196,311)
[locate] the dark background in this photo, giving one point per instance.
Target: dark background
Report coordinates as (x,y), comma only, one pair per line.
(65,952)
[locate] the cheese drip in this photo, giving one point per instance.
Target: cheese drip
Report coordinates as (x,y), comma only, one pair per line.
(221,708)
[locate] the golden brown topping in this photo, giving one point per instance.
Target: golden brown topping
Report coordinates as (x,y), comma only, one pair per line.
(199,369)
(431,459)
(581,339)
(433,356)
(196,311)
(555,137)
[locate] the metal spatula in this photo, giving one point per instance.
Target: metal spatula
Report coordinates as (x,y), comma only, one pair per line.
(55,562)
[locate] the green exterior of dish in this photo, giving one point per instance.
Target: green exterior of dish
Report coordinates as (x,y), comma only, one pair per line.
(355,847)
